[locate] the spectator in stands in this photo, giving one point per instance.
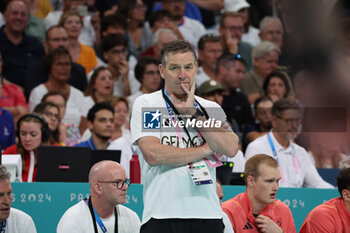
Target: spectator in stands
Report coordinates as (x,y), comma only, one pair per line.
(276,86)
(231,30)
(146,72)
(114,49)
(139,36)
(191,29)
(332,215)
(271,29)
(265,59)
(229,72)
(262,114)
(11,97)
(69,133)
(121,138)
(161,36)
(258,208)
(56,36)
(11,219)
(251,34)
(81,54)
(100,87)
(40,8)
(101,123)
(162,19)
(209,50)
(59,66)
(293,161)
(212,90)
(87,36)
(32,131)
(108,187)
(51,113)
(18,48)
(7,128)
(219,191)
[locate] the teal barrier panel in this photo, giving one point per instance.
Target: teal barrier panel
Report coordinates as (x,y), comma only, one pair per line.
(47,202)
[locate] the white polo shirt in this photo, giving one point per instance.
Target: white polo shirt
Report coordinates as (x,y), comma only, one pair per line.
(296,168)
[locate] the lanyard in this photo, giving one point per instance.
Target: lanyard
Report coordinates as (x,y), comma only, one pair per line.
(96,218)
(173,112)
(3,226)
(295,163)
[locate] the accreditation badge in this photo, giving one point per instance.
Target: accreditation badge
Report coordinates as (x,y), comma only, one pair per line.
(199,173)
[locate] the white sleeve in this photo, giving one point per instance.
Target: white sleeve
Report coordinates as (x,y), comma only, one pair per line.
(35,97)
(68,224)
(253,149)
(312,178)
(130,221)
(29,226)
(227,224)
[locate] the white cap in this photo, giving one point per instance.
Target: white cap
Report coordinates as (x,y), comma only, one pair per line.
(235,5)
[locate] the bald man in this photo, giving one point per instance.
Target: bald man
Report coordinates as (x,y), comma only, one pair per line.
(102,211)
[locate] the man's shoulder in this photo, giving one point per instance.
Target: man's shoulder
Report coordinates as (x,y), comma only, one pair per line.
(76,209)
(19,215)
(126,211)
(245,46)
(237,202)
(83,144)
(154,96)
(280,206)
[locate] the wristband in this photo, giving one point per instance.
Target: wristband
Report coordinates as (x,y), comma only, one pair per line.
(197,114)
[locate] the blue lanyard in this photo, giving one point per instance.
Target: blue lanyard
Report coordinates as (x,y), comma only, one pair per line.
(98,219)
(272,147)
(3,226)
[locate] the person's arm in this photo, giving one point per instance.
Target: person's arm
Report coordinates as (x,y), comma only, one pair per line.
(212,5)
(124,72)
(157,154)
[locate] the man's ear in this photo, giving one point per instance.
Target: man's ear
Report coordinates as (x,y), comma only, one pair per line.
(161,70)
(89,125)
(345,195)
(250,181)
(97,188)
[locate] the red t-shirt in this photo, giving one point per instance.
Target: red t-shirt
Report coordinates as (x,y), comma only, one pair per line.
(12,96)
(240,213)
(329,217)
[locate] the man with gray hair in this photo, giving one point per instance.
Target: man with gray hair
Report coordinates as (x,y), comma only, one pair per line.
(160,37)
(11,219)
(103,210)
(265,58)
(271,29)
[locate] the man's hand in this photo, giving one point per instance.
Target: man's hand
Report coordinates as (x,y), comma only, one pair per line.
(185,106)
(231,43)
(123,67)
(266,225)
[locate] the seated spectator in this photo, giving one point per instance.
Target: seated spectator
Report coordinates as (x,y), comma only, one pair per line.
(161,36)
(18,49)
(81,54)
(36,73)
(87,35)
(146,72)
(51,113)
(219,191)
(229,72)
(251,34)
(276,86)
(258,208)
(100,87)
(162,19)
(332,215)
(59,68)
(209,50)
(32,132)
(191,29)
(231,30)
(11,97)
(293,161)
(101,123)
(69,133)
(11,219)
(271,29)
(265,59)
(139,35)
(114,49)
(262,115)
(108,187)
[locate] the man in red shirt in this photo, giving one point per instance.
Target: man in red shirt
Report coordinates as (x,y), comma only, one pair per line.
(333,215)
(257,209)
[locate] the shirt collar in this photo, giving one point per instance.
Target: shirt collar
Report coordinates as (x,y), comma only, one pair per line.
(278,146)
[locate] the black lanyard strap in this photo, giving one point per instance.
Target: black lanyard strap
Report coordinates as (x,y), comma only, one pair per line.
(91,208)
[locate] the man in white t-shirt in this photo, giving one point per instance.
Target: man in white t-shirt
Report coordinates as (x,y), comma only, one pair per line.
(103,209)
(294,164)
(11,219)
(179,191)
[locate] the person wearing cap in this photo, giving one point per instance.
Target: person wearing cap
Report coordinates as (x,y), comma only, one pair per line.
(213,90)
(229,72)
(251,34)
